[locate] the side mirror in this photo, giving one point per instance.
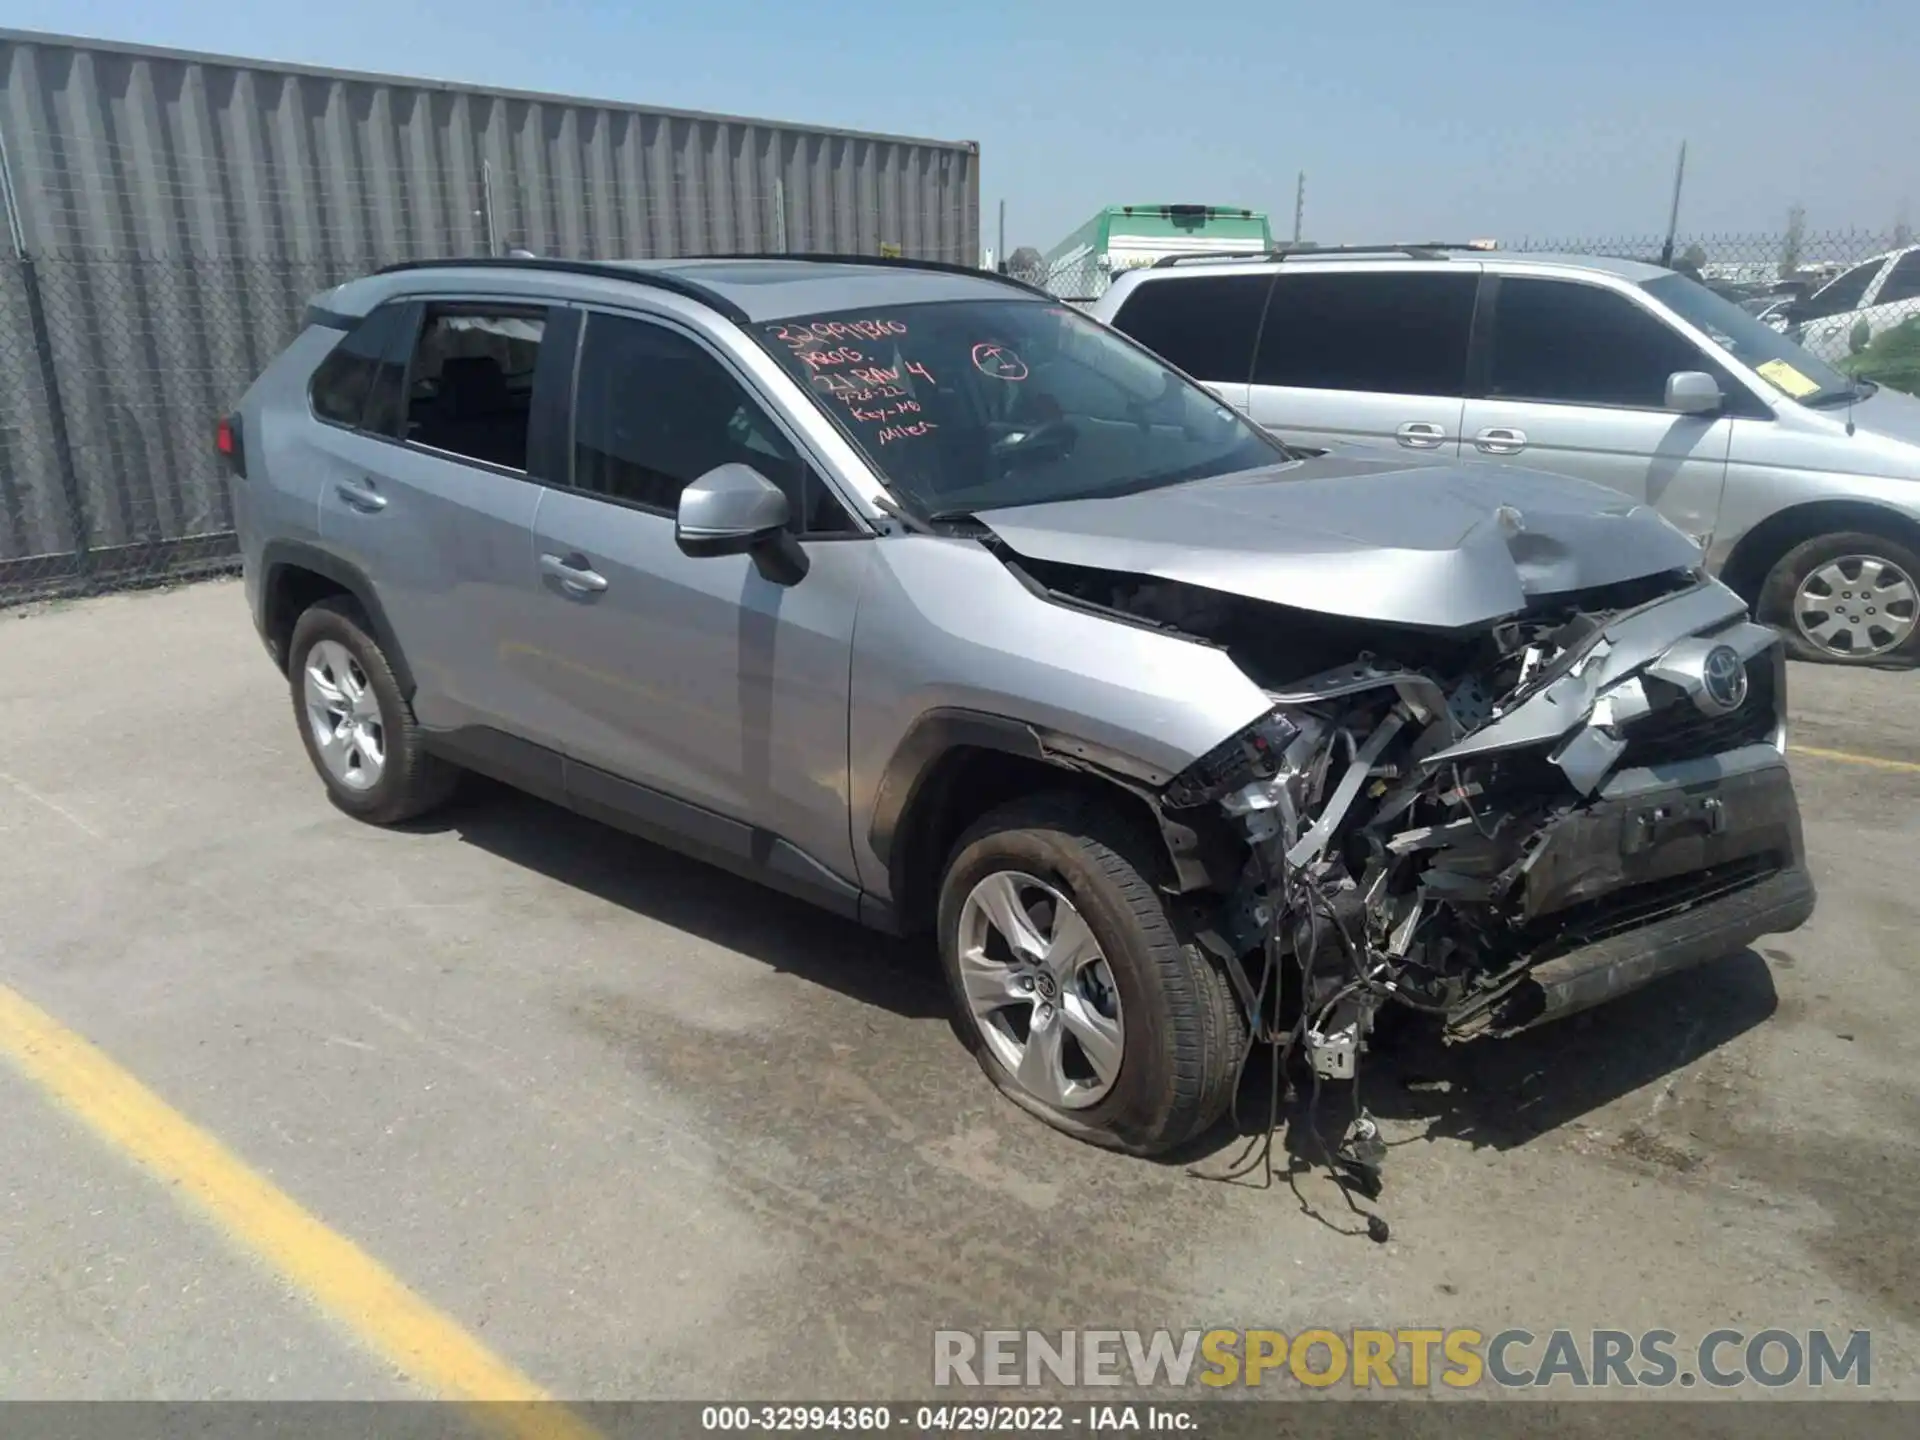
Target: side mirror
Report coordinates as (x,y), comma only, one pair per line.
(1693,392)
(735,510)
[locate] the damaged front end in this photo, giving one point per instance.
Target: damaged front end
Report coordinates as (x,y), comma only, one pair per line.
(1522,755)
(1498,828)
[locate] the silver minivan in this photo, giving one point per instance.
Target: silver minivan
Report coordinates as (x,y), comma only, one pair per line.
(1801,484)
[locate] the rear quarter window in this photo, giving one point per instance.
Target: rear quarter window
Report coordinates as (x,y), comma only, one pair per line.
(344,380)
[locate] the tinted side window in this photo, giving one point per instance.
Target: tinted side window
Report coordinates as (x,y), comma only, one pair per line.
(1842,295)
(341,383)
(654,411)
(1204,326)
(1556,340)
(470,386)
(1397,333)
(1903,283)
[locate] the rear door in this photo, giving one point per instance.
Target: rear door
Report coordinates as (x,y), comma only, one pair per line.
(1374,354)
(1572,378)
(436,498)
(1203,324)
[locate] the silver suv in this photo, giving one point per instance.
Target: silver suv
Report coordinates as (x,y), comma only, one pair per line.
(1802,484)
(905,589)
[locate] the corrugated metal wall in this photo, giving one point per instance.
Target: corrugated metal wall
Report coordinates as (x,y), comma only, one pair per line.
(170,213)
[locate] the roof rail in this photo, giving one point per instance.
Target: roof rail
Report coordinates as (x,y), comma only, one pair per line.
(1421,250)
(633,274)
(898,262)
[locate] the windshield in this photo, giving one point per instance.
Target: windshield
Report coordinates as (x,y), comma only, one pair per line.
(1772,356)
(975,404)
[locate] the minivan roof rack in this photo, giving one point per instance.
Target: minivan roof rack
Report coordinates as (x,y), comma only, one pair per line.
(659,280)
(1419,249)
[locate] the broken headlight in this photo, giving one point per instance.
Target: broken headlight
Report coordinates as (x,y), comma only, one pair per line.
(1256,753)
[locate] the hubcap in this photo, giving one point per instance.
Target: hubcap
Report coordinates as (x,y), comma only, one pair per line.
(1040,990)
(1857,606)
(344,716)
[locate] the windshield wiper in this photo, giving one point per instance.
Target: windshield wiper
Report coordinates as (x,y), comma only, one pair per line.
(1855,391)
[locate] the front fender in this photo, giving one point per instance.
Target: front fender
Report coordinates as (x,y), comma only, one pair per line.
(946,629)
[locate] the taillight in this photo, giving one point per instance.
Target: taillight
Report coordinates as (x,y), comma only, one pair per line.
(226,439)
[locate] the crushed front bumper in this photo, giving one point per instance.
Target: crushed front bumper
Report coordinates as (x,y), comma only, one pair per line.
(1654,877)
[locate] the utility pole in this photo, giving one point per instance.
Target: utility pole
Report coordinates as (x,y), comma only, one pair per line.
(1673,215)
(1299,204)
(1000,254)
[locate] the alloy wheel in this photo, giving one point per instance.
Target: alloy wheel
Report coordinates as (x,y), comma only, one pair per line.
(1039,990)
(1856,607)
(344,716)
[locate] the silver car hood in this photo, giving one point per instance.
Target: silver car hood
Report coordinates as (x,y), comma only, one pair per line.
(1886,412)
(1374,539)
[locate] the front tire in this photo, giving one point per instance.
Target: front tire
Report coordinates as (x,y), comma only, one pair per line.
(359,730)
(1077,987)
(1848,599)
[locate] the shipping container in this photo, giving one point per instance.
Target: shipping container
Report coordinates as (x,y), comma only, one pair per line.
(169,214)
(131,149)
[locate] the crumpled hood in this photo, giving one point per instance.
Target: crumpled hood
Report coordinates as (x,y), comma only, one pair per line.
(1428,544)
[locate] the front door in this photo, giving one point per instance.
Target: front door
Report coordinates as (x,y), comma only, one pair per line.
(698,679)
(1575,383)
(1371,355)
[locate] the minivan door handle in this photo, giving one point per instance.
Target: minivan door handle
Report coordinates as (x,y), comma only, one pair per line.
(1421,435)
(1500,440)
(574,572)
(361,495)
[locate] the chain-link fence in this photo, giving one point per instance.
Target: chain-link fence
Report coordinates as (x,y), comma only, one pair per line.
(112,371)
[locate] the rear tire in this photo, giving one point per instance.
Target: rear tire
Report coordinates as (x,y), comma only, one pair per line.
(359,730)
(1139,973)
(1820,594)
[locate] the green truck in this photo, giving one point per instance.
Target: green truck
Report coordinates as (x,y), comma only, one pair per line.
(1124,237)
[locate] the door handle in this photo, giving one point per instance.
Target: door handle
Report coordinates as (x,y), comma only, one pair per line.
(361,495)
(1500,440)
(1421,435)
(573,572)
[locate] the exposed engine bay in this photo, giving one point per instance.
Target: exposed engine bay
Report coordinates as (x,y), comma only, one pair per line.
(1495,826)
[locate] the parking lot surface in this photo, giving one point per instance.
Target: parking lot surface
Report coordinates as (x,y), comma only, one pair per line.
(640,1129)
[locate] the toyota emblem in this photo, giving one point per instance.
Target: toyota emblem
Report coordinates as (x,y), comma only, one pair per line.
(1723,680)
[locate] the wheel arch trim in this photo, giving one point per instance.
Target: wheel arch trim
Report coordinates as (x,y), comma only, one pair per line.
(939,732)
(280,556)
(1766,543)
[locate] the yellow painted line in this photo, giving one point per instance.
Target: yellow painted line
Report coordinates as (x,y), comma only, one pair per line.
(357,1291)
(1878,762)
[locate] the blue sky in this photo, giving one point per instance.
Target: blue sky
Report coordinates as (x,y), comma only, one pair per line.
(1479,117)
